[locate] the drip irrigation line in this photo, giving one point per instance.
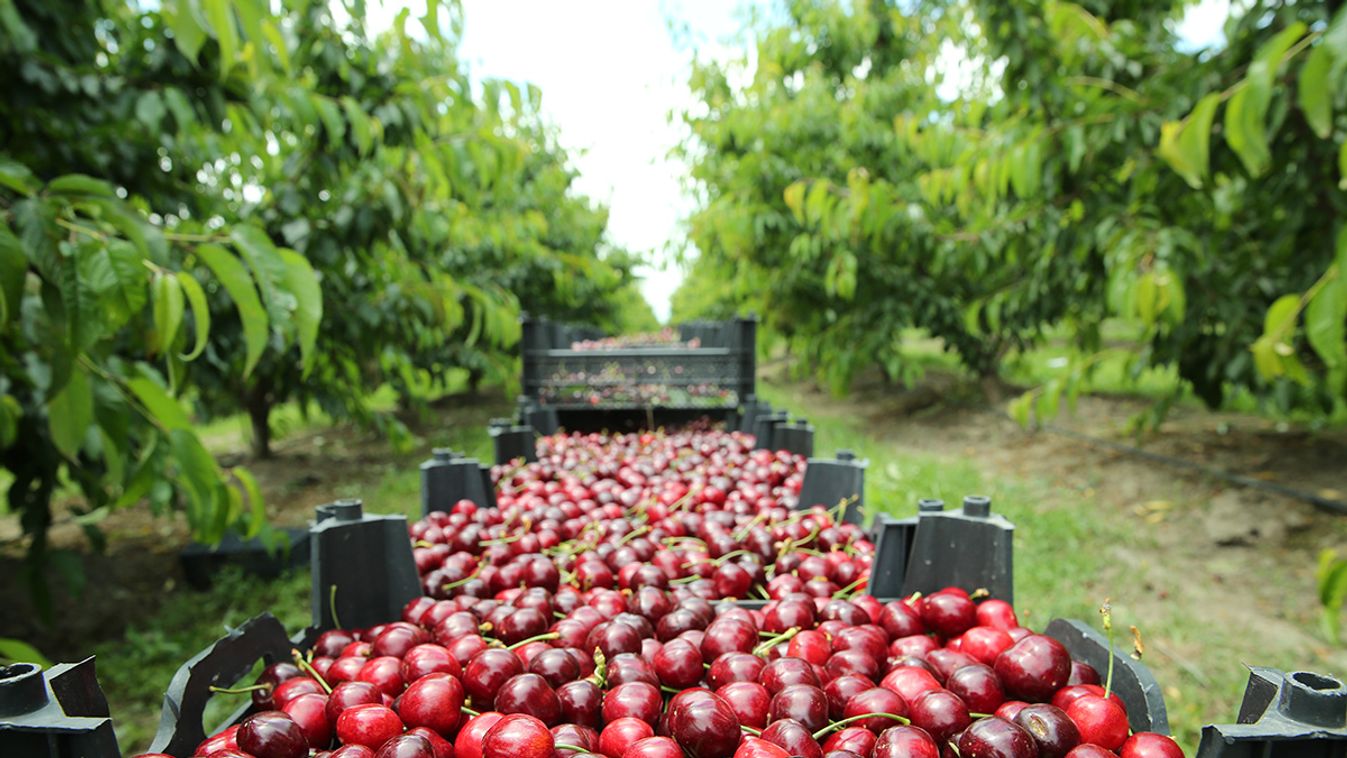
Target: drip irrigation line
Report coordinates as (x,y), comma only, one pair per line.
(1320,502)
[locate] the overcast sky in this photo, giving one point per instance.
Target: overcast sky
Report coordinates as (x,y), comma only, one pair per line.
(610,73)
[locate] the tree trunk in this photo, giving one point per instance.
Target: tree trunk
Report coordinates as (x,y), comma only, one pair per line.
(259,413)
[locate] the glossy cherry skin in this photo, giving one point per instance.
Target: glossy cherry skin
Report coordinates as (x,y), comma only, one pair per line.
(734,667)
(555,666)
(804,703)
(633,699)
(810,645)
(780,673)
(706,727)
(842,689)
(487,672)
(273,676)
(853,739)
(384,672)
(905,742)
(406,746)
(978,687)
(749,700)
(1050,727)
(581,703)
(622,733)
(678,664)
(996,738)
(293,688)
(573,734)
(429,659)
(727,635)
(756,747)
(653,747)
(1101,721)
(529,693)
(1150,745)
(368,725)
(793,737)
(468,743)
(518,735)
(1082,673)
(310,712)
(1033,668)
(900,620)
(441,747)
(875,700)
(225,740)
(940,712)
(948,614)
(272,734)
(1090,751)
(348,694)
(985,643)
(352,751)
(910,682)
(433,701)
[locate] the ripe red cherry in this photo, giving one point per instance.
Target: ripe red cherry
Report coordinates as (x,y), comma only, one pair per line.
(441,747)
(226,740)
(487,672)
(433,701)
(804,703)
(1101,721)
(272,734)
(653,747)
(622,733)
(905,742)
(406,746)
(384,672)
(875,700)
(783,672)
(756,747)
(293,688)
(941,713)
(985,643)
(706,726)
(529,694)
(1034,668)
(429,659)
(997,614)
(749,700)
(581,703)
(793,737)
(996,738)
(948,614)
(733,667)
(352,751)
(1150,745)
(518,735)
(910,682)
(468,744)
(811,646)
(678,664)
(635,700)
(349,694)
(851,739)
(1090,751)
(1054,731)
(368,725)
(977,686)
(310,712)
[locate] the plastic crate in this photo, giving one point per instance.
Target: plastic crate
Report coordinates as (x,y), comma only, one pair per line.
(717,375)
(201,562)
(54,713)
(1299,714)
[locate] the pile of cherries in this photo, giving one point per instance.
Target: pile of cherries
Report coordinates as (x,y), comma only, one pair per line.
(641,674)
(700,513)
(666,337)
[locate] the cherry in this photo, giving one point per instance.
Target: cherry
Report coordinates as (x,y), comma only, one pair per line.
(529,694)
(856,662)
(977,686)
(293,688)
(1010,709)
(429,659)
(804,703)
(621,733)
(811,646)
(272,734)
(1082,673)
(348,694)
(1050,727)
(900,620)
(783,672)
(310,712)
(733,667)
(1033,668)
(851,739)
(947,613)
(398,638)
(629,667)
(468,743)
(678,664)
(996,738)
(905,742)
(441,747)
(917,645)
(384,672)
(728,635)
(433,701)
(518,735)
(794,737)
(875,700)
(352,751)
(635,700)
(756,747)
(368,725)
(581,703)
(1150,745)
(406,746)
(910,682)
(985,643)
(272,676)
(997,614)
(487,672)
(940,712)
(226,740)
(1101,721)
(1069,694)
(653,747)
(749,700)
(329,644)
(842,689)
(1090,751)
(706,726)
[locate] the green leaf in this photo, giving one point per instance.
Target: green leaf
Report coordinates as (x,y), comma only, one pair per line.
(1020,408)
(1342,166)
(220,14)
(233,276)
(187,32)
(302,282)
(18,651)
(1326,328)
(332,119)
(199,476)
(16,176)
(162,407)
(794,197)
(1185,145)
(360,125)
(257,507)
(79,184)
(150,110)
(168,306)
(20,36)
(13,274)
(1246,113)
(1280,320)
(1313,91)
(273,35)
(200,311)
(10,413)
(1332,576)
(70,413)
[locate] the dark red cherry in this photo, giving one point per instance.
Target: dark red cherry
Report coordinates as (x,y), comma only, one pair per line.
(749,700)
(1034,668)
(518,735)
(272,734)
(905,742)
(996,738)
(1050,727)
(793,737)
(529,694)
(433,701)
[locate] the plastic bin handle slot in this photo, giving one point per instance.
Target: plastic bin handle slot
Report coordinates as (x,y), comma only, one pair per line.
(222,664)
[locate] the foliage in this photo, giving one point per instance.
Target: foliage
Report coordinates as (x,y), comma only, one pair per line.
(1332,577)
(863,183)
(208,205)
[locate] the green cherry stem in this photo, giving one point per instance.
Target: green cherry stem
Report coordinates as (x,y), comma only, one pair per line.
(539,638)
(829,729)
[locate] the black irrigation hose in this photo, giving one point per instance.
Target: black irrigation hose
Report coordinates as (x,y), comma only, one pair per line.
(1318,501)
